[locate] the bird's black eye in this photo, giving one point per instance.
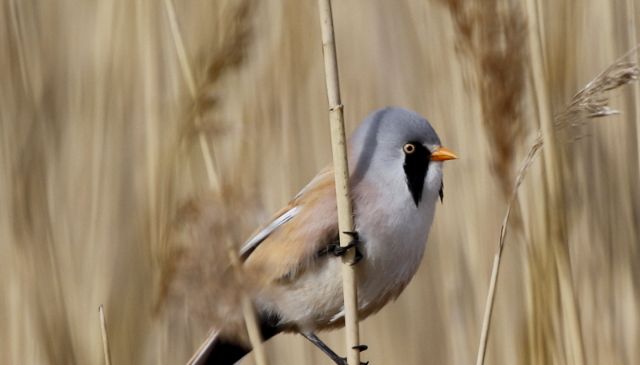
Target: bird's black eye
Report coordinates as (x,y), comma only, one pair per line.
(409,148)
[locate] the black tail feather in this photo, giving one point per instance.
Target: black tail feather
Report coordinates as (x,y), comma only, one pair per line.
(225,352)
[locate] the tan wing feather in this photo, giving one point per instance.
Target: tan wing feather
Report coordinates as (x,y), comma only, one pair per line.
(294,245)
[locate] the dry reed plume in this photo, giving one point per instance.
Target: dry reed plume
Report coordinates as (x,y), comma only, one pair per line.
(205,126)
(491,35)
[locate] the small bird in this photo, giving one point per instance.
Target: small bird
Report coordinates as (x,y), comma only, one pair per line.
(395,161)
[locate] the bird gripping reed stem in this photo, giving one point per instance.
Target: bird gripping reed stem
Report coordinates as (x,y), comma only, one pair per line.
(345,211)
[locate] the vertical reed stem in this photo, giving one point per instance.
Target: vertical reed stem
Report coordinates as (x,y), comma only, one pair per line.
(105,338)
(345,211)
(187,73)
(555,235)
(495,271)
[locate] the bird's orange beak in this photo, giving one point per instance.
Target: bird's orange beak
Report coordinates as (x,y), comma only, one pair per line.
(443,154)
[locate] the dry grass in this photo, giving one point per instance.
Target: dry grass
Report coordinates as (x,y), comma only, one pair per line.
(99,152)
(590,102)
(492,36)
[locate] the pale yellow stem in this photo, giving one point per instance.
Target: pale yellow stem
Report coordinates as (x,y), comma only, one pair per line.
(187,74)
(552,161)
(105,338)
(345,211)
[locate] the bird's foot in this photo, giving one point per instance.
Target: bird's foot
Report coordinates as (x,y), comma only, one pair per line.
(343,360)
(339,360)
(338,250)
(361,348)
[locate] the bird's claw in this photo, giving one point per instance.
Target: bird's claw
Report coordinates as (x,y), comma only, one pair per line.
(352,234)
(355,241)
(359,348)
(337,359)
(338,250)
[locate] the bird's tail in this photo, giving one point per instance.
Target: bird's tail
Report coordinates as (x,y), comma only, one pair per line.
(216,350)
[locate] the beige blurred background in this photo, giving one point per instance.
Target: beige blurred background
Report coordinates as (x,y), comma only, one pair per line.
(100,150)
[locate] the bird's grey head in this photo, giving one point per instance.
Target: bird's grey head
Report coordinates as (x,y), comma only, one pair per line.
(398,148)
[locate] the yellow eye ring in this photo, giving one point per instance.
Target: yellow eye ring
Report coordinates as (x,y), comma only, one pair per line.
(409,148)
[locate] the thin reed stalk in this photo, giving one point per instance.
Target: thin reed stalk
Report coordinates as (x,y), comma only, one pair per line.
(553,244)
(187,74)
(105,337)
(202,350)
(250,318)
(495,271)
(341,170)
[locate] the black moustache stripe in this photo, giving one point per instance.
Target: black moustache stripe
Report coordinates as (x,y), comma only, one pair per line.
(415,169)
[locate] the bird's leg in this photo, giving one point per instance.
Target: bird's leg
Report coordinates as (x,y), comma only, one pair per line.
(338,250)
(328,351)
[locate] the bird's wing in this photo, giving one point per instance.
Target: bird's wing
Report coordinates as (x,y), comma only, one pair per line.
(266,231)
(292,240)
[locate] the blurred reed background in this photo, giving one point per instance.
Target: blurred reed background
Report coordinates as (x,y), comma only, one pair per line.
(100,161)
